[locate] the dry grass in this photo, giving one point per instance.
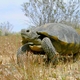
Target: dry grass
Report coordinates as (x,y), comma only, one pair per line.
(34,66)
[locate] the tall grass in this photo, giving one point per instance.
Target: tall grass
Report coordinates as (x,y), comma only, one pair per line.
(34,65)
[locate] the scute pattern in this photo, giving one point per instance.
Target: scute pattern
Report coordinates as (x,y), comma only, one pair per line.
(62,32)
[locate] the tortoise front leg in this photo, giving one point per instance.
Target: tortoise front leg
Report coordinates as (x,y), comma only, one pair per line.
(21,52)
(49,49)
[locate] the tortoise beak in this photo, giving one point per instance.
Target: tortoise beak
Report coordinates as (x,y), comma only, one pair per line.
(23,31)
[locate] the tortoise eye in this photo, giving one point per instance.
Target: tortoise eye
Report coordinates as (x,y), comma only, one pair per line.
(27,30)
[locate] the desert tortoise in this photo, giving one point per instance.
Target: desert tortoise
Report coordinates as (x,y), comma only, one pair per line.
(52,38)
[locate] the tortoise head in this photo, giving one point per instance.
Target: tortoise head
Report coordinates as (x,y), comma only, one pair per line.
(28,35)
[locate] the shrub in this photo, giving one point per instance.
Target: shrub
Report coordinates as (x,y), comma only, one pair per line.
(5,28)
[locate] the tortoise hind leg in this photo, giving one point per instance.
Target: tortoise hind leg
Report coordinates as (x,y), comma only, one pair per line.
(49,50)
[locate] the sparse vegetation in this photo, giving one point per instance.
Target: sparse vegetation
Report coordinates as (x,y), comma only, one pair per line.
(48,11)
(34,66)
(5,29)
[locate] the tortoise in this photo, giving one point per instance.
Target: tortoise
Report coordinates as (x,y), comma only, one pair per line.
(52,39)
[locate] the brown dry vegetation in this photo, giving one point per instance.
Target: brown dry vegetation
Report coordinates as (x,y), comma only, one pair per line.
(34,66)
